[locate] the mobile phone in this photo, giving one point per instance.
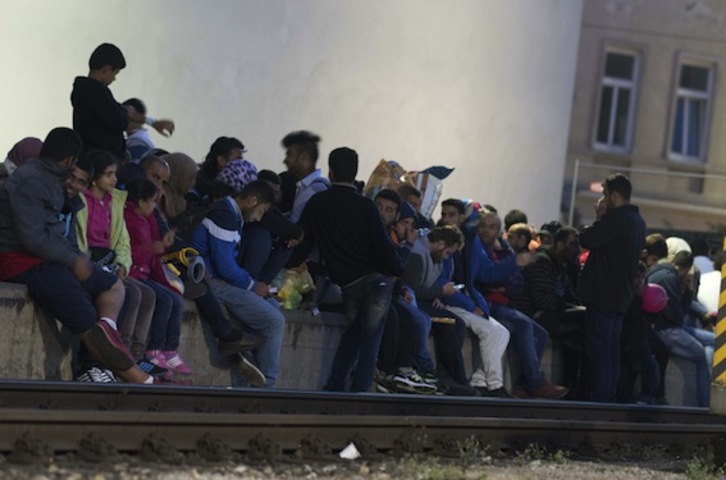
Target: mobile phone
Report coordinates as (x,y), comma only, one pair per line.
(459,286)
(273,290)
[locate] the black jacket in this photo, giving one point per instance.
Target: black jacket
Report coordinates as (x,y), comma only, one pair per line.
(98,118)
(679,298)
(348,230)
(615,242)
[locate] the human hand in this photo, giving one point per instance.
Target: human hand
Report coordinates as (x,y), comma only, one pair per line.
(164,127)
(438,304)
(601,207)
(82,268)
(523,259)
(262,289)
(449,289)
(121,272)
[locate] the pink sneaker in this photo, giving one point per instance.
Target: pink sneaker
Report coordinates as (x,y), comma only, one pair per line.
(158,358)
(176,363)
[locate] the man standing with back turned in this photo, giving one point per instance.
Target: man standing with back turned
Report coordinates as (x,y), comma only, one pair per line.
(606,284)
(361,258)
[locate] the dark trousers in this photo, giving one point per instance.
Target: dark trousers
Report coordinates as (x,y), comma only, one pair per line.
(211,312)
(396,350)
(602,341)
(366,302)
(258,256)
(448,342)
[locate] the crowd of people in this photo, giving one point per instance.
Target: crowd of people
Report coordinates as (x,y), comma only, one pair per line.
(90,216)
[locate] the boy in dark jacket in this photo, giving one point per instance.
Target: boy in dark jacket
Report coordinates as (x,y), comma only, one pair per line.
(98,118)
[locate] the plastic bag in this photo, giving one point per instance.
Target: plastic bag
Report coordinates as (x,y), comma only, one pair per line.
(292,286)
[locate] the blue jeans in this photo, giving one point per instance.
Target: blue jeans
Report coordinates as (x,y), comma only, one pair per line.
(708,340)
(680,343)
(602,345)
(529,340)
(257,255)
(166,321)
(262,317)
(419,325)
(366,302)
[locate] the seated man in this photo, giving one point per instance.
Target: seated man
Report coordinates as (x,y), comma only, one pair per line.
(431,270)
(682,341)
(548,298)
(34,251)
(216,239)
(496,271)
(404,354)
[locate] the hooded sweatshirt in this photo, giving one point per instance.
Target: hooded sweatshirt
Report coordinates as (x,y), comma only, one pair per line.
(98,118)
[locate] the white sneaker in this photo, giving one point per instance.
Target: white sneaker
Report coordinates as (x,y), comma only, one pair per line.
(97,375)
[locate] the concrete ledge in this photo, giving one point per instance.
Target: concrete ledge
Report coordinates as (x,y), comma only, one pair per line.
(35,346)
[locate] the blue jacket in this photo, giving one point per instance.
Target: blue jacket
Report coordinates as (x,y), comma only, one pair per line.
(216,240)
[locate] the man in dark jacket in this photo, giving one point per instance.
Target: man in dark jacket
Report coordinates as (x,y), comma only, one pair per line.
(681,341)
(98,118)
(361,258)
(605,286)
(34,251)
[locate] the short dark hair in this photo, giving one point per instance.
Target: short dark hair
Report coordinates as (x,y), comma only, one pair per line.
(407,190)
(617,182)
(563,233)
(269,176)
(655,244)
(388,194)
(514,216)
(450,234)
(259,189)
(456,203)
(86,165)
(221,146)
(700,247)
(107,54)
(343,164)
(137,104)
(100,159)
(305,140)
(522,229)
(683,259)
(61,143)
(140,188)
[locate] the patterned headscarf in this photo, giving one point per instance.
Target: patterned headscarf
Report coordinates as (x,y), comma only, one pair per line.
(237,174)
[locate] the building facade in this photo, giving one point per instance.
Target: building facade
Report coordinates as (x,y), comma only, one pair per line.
(649,101)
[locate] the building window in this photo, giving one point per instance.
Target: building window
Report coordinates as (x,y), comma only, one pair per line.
(691,112)
(616,110)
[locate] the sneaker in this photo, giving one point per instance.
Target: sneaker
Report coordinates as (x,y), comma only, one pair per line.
(237,342)
(550,391)
(151,368)
(157,358)
(500,392)
(386,385)
(249,370)
(106,345)
(432,379)
(459,390)
(175,362)
(408,380)
(97,375)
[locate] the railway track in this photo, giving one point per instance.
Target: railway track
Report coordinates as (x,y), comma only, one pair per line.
(40,419)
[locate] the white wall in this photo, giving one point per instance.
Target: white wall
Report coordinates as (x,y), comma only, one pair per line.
(481,85)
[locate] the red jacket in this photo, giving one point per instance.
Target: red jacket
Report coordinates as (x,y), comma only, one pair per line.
(143,232)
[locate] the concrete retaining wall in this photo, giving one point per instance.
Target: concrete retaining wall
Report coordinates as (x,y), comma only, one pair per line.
(35,346)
